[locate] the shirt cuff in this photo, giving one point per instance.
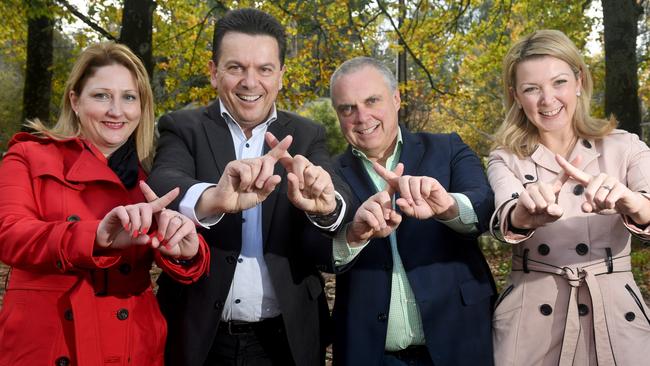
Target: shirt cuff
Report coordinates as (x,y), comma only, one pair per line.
(339,219)
(465,222)
(187,206)
(342,252)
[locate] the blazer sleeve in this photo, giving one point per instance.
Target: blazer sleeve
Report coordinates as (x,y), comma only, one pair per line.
(317,244)
(468,177)
(174,165)
(26,240)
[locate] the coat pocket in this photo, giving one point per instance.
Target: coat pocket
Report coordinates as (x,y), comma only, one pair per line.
(474,292)
(503,295)
(637,299)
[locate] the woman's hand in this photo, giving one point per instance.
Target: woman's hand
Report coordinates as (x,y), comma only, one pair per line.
(537,204)
(176,234)
(128,225)
(605,195)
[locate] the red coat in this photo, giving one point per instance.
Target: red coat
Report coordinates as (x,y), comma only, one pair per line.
(64,306)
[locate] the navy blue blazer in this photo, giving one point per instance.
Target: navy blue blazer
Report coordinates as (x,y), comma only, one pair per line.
(448,273)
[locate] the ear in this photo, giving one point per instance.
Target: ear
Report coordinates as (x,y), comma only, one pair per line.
(282,70)
(213,73)
(579,82)
(397,100)
(74,101)
(513,94)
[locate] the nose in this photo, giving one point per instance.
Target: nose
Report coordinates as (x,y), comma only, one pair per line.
(546,96)
(249,80)
(363,113)
(115,108)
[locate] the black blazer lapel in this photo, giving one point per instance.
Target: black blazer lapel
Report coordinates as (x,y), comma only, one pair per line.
(219,138)
(412,153)
(355,174)
(280,129)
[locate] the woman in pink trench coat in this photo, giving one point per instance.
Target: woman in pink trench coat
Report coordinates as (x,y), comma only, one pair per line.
(81,235)
(569,191)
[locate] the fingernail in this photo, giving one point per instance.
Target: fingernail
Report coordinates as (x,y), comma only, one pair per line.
(161,237)
(135,233)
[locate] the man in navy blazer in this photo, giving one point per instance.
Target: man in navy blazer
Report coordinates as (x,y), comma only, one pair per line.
(412,286)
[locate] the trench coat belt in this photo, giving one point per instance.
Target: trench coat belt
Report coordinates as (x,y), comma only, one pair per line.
(576,277)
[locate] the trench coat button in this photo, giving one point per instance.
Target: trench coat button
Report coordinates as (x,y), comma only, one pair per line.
(125,268)
(545,309)
(59,264)
(67,314)
(543,249)
(230,259)
(583,309)
(382,317)
(122,314)
(582,249)
(73,218)
(586,144)
(578,189)
(388,267)
(218,305)
(320,267)
(529,177)
(630,316)
(62,361)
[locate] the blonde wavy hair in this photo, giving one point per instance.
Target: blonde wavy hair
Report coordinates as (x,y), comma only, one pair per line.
(517,134)
(90,59)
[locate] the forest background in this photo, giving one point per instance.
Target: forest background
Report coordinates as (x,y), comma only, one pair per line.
(447,56)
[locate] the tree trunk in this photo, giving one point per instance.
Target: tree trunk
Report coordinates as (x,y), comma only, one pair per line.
(621,81)
(136,33)
(402,76)
(38,69)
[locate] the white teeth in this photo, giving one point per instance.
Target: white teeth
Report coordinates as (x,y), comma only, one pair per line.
(367,130)
(114,124)
(552,113)
(249,98)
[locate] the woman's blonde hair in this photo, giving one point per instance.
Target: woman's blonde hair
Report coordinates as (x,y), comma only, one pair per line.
(517,134)
(90,59)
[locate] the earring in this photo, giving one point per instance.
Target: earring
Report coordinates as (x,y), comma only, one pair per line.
(518,106)
(578,93)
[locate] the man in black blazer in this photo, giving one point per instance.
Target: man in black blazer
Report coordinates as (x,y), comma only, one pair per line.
(263,301)
(412,285)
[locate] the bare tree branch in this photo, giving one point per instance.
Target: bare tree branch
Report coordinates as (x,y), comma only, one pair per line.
(87,20)
(408,49)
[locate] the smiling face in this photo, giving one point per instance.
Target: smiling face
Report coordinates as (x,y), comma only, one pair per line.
(108,107)
(248,76)
(367,111)
(546,88)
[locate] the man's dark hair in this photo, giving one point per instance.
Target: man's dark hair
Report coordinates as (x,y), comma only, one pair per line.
(252,22)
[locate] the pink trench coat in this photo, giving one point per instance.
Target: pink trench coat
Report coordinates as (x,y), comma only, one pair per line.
(571,298)
(64,306)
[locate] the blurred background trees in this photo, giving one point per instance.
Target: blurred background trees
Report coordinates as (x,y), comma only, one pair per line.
(446,53)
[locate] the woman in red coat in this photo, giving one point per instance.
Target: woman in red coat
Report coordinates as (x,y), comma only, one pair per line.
(79,230)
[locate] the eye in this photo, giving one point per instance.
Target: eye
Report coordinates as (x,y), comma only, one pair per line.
(372,100)
(345,110)
(530,90)
(267,70)
(560,81)
(101,96)
(234,68)
(131,97)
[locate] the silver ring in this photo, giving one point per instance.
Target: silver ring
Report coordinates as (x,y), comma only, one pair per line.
(178,217)
(605,186)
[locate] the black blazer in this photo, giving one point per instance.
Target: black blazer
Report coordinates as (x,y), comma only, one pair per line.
(449,275)
(195,146)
